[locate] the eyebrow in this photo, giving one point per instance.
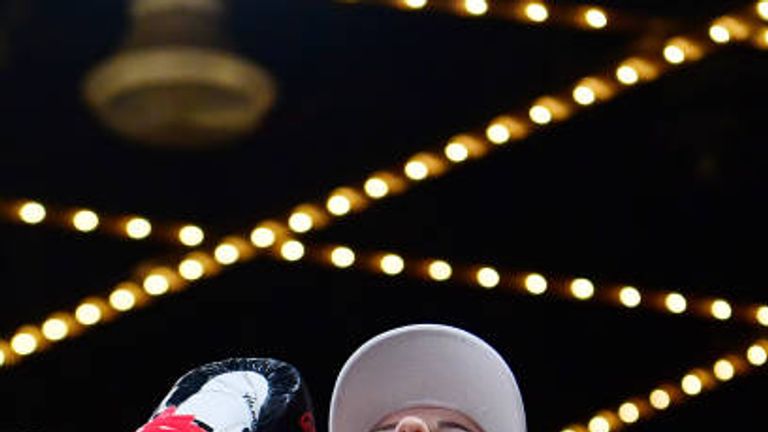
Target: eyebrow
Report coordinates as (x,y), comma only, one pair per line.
(384,427)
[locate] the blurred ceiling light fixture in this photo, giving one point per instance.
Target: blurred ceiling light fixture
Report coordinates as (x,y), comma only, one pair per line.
(174,82)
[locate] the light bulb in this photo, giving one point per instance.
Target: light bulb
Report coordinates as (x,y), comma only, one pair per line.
(191,235)
(85,220)
(32,212)
(342,257)
(263,237)
(488,277)
(440,270)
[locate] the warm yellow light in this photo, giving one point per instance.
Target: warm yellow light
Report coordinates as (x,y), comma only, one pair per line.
(629,413)
(536,284)
(191,269)
(756,355)
(599,424)
(630,296)
(191,235)
(416,170)
(342,257)
(476,7)
(122,299)
(263,237)
(24,343)
(300,222)
(391,264)
(584,95)
(596,18)
(292,250)
(85,220)
(691,384)
(156,284)
(719,34)
(498,133)
(32,212)
(724,370)
(582,289)
(536,12)
(674,54)
(338,205)
(2,356)
(376,187)
(55,329)
(226,254)
(762,9)
(487,277)
(440,270)
(762,315)
(660,399)
(88,314)
(627,75)
(415,4)
(456,152)
(676,303)
(138,228)
(721,309)
(540,114)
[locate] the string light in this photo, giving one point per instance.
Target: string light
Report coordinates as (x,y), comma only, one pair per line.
(676,303)
(756,355)
(680,50)
(456,152)
(440,270)
(536,284)
(85,220)
(540,114)
(32,212)
(2,356)
(55,329)
(88,314)
(415,4)
(660,399)
(719,34)
(226,253)
(376,187)
(292,250)
(338,205)
(263,237)
(599,423)
(488,277)
(300,222)
(629,412)
(391,264)
(761,315)
(156,284)
(122,298)
(138,228)
(724,370)
(536,12)
(476,7)
(630,297)
(721,309)
(24,343)
(498,133)
(192,269)
(584,95)
(762,9)
(342,257)
(691,384)
(627,74)
(416,170)
(596,18)
(191,235)
(582,289)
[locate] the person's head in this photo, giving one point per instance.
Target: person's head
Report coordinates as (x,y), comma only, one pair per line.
(426,378)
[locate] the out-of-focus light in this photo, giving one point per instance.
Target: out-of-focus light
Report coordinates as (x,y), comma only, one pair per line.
(416,170)
(630,297)
(191,269)
(488,277)
(536,12)
(191,235)
(300,222)
(583,95)
(724,370)
(440,270)
(415,4)
(498,133)
(721,309)
(540,114)
(85,220)
(536,284)
(756,355)
(263,237)
(660,399)
(32,212)
(629,413)
(156,284)
(88,314)
(476,7)
(376,187)
(292,250)
(138,228)
(676,303)
(122,299)
(582,289)
(342,257)
(627,75)
(691,384)
(338,205)
(456,151)
(2,356)
(719,34)
(24,343)
(391,264)
(761,315)
(596,18)
(55,329)
(599,424)
(762,9)
(226,253)
(674,53)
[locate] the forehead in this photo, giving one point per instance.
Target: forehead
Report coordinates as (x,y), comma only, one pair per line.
(431,415)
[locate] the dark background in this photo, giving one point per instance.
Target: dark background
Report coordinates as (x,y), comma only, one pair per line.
(663,187)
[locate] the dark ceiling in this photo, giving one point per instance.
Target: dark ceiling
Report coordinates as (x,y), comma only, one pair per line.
(663,187)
